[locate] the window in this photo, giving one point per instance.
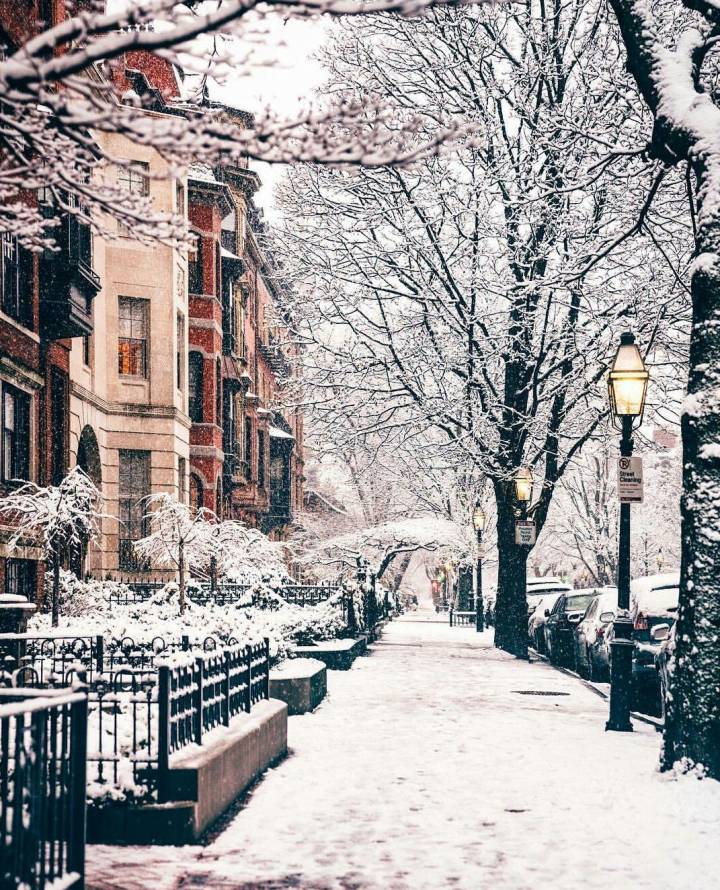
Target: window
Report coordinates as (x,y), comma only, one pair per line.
(261,459)
(132,337)
(180,199)
(86,350)
(180,354)
(21,577)
(182,476)
(16,278)
(15,434)
(195,387)
(195,261)
(248,447)
(228,232)
(134,176)
(218,393)
(133,488)
(58,412)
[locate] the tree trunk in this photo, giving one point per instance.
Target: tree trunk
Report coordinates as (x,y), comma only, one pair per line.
(213,573)
(511,619)
(181,575)
(56,589)
(692,725)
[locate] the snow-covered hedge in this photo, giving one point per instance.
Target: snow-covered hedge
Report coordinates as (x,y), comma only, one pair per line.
(87,611)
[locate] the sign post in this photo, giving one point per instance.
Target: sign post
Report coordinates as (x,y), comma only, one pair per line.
(630,480)
(524,532)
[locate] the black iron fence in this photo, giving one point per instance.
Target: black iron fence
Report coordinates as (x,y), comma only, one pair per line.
(226,593)
(43,736)
(144,702)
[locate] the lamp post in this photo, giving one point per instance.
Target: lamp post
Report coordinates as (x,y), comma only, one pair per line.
(523,488)
(627,386)
(478,519)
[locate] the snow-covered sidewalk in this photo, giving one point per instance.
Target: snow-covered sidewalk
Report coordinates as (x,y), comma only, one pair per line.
(432,765)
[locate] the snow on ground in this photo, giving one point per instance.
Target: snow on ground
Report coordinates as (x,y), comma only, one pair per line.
(426,768)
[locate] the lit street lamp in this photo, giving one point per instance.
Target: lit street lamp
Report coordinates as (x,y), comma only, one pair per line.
(478,519)
(627,387)
(523,487)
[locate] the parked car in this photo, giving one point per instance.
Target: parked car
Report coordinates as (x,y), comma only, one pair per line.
(653,601)
(665,635)
(536,622)
(560,624)
(537,587)
(591,658)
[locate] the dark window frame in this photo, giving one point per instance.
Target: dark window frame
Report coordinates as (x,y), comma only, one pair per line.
(133,490)
(15,444)
(196,400)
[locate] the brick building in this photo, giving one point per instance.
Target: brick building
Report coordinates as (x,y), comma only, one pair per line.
(152,369)
(45,303)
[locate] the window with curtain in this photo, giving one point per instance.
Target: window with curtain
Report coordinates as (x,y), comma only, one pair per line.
(132,337)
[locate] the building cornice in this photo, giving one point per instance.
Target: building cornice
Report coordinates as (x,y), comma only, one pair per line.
(128,409)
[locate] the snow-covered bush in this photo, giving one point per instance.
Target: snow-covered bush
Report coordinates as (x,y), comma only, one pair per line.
(90,612)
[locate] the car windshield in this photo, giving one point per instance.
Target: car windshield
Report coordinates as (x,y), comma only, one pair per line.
(659,601)
(579,602)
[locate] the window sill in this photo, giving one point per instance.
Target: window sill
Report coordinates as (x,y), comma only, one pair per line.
(20,326)
(131,380)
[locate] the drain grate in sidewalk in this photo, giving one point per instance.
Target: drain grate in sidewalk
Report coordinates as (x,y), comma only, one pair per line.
(538,692)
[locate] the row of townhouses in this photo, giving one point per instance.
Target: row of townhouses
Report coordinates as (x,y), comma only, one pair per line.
(153,369)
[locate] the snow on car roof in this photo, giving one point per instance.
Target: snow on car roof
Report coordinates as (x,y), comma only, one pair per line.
(656,592)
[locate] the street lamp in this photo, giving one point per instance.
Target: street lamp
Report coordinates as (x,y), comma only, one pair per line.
(523,487)
(627,387)
(478,519)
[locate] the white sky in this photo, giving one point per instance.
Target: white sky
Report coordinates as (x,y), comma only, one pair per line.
(283,79)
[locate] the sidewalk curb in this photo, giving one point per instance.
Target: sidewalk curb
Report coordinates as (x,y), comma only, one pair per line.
(643,718)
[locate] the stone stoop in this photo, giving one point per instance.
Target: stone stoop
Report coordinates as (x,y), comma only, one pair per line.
(337,655)
(202,783)
(303,691)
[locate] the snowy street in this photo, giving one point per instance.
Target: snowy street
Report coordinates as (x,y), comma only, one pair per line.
(432,764)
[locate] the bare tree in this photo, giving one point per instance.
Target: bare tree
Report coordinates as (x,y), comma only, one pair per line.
(481,293)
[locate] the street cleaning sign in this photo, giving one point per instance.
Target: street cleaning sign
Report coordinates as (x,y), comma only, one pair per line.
(630,480)
(525,532)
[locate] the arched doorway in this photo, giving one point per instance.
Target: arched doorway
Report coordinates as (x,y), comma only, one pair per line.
(197,496)
(88,459)
(88,455)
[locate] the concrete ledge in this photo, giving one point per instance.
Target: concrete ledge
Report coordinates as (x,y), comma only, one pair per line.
(301,683)
(337,655)
(203,781)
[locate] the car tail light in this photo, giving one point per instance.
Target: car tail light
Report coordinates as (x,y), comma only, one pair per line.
(641,622)
(600,633)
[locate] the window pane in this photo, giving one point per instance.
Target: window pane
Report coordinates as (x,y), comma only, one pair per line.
(132,336)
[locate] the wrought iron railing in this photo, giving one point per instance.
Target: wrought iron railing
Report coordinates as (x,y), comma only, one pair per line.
(145,703)
(43,736)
